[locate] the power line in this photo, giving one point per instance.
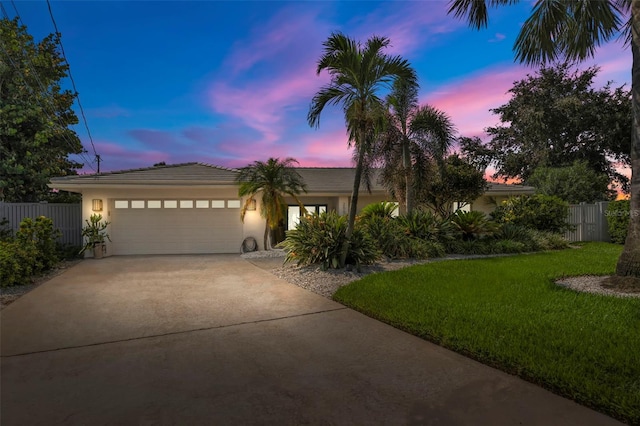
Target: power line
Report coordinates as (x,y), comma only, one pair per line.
(73,83)
(51,113)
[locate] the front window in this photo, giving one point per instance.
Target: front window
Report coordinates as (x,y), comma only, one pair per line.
(293,213)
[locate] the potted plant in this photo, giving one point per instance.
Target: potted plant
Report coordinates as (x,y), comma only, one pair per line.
(95,235)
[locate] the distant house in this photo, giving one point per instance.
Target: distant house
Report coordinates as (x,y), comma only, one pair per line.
(194,208)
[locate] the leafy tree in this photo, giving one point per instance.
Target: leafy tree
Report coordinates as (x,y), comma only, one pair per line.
(556,118)
(357,73)
(455,180)
(415,138)
(573,30)
(575,184)
(35,115)
(274,179)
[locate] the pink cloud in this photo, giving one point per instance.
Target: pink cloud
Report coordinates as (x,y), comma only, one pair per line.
(284,31)
(614,61)
(408,27)
(264,104)
(469,100)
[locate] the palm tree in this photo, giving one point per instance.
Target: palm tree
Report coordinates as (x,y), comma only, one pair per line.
(574,29)
(415,138)
(357,73)
(274,179)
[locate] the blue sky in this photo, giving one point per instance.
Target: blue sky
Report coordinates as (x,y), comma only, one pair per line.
(228,83)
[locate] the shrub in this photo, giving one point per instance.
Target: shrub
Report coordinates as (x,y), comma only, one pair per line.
(618,213)
(16,262)
(540,212)
(544,240)
(318,239)
(42,235)
(472,225)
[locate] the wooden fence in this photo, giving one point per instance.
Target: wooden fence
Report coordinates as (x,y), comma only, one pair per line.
(66,217)
(590,221)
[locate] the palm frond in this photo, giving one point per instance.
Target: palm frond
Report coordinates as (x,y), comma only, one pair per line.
(476,12)
(566,28)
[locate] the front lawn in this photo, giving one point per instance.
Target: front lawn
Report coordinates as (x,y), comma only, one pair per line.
(508,313)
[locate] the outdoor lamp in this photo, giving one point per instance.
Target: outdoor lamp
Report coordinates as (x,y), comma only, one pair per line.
(96,205)
(252,205)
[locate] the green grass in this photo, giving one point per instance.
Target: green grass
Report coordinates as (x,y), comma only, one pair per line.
(508,313)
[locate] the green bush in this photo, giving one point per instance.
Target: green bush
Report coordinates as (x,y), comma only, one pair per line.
(544,240)
(42,235)
(618,213)
(31,251)
(318,239)
(16,262)
(540,212)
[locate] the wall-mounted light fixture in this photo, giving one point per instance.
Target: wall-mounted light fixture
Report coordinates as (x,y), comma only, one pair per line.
(96,205)
(252,205)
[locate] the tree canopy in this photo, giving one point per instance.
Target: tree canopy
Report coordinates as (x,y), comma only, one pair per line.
(35,115)
(555,118)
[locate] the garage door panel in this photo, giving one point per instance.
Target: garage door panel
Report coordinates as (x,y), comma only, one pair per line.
(175,231)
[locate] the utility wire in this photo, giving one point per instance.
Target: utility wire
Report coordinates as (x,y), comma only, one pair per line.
(73,83)
(51,113)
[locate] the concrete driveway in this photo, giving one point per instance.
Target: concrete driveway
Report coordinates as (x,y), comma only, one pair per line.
(215,340)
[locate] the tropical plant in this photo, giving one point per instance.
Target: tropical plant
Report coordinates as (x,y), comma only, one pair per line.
(274,179)
(319,238)
(357,72)
(383,209)
(473,225)
(94,232)
(573,30)
(415,139)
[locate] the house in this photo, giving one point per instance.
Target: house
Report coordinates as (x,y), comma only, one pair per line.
(194,207)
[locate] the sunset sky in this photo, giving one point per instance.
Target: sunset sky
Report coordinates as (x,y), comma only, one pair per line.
(228,83)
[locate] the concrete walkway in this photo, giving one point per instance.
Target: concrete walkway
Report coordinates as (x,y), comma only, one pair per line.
(204,340)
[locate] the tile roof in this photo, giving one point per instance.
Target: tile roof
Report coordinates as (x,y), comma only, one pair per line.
(318,179)
(185,173)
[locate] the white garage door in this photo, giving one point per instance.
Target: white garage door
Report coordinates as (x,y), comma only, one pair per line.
(176,226)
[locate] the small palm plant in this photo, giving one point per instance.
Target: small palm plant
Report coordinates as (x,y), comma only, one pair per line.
(273,179)
(473,224)
(95,234)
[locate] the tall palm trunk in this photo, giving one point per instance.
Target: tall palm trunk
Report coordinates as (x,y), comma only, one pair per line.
(408,171)
(629,262)
(353,207)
